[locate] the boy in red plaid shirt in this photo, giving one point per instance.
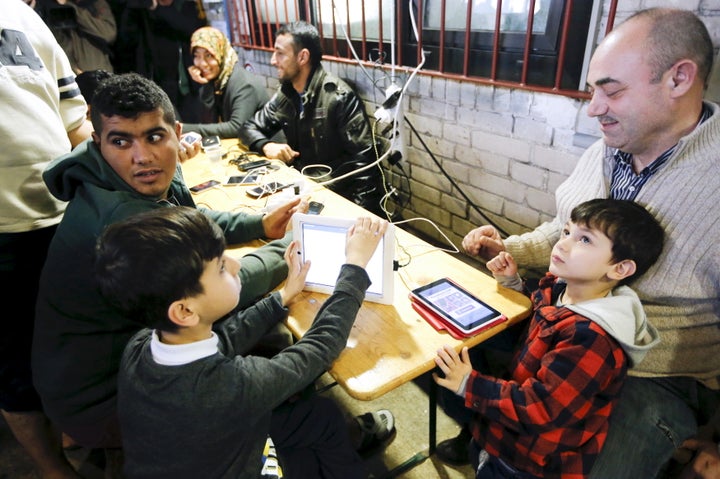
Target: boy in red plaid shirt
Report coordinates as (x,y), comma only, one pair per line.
(550,418)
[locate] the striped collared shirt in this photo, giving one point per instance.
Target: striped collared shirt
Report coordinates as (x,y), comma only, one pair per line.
(625,183)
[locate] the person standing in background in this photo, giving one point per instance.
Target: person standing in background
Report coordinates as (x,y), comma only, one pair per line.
(85,29)
(154,41)
(44,118)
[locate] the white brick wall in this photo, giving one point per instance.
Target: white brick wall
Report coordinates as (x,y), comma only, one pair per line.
(507,149)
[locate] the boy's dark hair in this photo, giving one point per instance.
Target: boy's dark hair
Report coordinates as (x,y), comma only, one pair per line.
(304,36)
(635,233)
(128,95)
(145,262)
(88,82)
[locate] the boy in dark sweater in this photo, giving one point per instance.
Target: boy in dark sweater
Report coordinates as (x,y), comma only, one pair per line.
(191,404)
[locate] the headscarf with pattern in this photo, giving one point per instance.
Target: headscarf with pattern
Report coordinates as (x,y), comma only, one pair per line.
(215,42)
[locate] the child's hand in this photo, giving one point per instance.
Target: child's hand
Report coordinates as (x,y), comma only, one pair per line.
(297,273)
(362,240)
(453,366)
(503,265)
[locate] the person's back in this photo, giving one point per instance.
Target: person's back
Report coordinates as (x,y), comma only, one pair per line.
(44,116)
(86,30)
(187,382)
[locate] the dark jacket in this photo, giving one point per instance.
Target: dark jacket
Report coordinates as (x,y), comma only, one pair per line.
(327,126)
(79,338)
(226,112)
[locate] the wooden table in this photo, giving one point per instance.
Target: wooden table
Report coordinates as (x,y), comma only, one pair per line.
(389,344)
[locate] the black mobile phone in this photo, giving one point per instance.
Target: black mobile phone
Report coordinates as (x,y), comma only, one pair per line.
(315,207)
(204,186)
(210,142)
(237,180)
(266,189)
(253,164)
(456,306)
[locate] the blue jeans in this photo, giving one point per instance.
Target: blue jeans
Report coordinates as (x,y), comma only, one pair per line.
(652,418)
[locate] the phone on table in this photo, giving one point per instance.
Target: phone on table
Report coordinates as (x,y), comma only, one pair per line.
(315,207)
(210,142)
(456,307)
(204,186)
(239,180)
(250,165)
(266,189)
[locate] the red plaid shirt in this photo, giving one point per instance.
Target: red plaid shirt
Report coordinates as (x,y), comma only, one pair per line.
(551,418)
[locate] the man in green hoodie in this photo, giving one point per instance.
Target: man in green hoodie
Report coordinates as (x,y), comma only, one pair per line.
(130,165)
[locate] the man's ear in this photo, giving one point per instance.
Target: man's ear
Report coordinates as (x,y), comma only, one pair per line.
(622,269)
(180,314)
(304,56)
(178,129)
(683,75)
(96,138)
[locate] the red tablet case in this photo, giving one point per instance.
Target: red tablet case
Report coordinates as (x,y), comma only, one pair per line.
(439,323)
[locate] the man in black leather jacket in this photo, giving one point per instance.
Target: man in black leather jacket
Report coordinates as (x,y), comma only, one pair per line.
(323,120)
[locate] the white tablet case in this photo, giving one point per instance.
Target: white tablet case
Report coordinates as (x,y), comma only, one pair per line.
(322,241)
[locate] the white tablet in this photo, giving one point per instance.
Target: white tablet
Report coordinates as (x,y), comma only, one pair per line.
(322,241)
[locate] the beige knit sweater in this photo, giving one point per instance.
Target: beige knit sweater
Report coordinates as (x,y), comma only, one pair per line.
(681,292)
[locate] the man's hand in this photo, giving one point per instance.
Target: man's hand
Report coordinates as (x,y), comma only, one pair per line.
(188,150)
(705,464)
(454,367)
(280,151)
(275,223)
(484,241)
(362,240)
(503,265)
(297,273)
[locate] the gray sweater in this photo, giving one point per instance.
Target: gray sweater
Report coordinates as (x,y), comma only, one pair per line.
(681,292)
(210,418)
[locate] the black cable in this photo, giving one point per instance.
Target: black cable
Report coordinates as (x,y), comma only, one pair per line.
(442,170)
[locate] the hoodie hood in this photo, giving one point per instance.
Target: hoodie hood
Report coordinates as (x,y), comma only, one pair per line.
(622,316)
(85,166)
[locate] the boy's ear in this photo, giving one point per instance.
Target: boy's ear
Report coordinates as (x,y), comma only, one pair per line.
(622,269)
(180,314)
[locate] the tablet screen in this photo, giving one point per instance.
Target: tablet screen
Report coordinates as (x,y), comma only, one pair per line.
(322,242)
(456,305)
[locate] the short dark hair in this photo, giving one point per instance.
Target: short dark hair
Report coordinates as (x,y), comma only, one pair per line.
(128,95)
(304,36)
(88,82)
(635,233)
(676,34)
(147,261)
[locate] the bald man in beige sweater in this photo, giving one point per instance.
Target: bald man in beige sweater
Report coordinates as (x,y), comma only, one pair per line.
(661,148)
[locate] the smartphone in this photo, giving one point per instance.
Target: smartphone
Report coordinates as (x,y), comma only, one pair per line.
(211,142)
(315,207)
(456,307)
(266,189)
(191,137)
(204,186)
(237,180)
(253,164)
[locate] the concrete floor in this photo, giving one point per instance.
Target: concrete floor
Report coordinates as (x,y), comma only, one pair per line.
(409,404)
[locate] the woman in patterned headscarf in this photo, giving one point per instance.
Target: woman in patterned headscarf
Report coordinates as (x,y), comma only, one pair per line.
(229,92)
